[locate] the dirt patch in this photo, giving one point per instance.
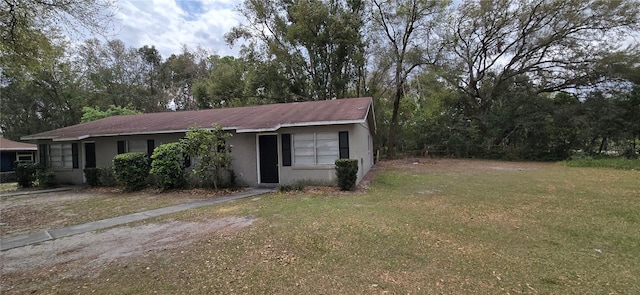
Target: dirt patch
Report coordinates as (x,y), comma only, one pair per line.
(29,213)
(89,253)
(431,165)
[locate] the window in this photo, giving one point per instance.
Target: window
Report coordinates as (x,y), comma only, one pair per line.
(315,148)
(60,155)
(136,146)
(42,153)
(25,157)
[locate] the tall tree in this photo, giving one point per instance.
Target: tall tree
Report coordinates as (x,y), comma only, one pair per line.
(319,42)
(181,71)
(556,43)
(406,26)
(39,100)
(122,76)
(26,26)
(225,85)
(153,90)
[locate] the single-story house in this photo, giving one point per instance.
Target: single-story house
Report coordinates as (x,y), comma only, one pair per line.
(11,151)
(270,144)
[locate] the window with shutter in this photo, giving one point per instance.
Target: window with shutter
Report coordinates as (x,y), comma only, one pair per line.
(344,144)
(315,148)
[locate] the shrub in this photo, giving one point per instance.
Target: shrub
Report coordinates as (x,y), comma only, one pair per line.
(92,175)
(25,173)
(233,179)
(347,173)
(107,177)
(131,170)
(46,178)
(291,187)
(168,165)
(209,147)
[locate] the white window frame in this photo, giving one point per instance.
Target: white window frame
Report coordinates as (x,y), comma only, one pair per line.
(23,156)
(136,146)
(315,148)
(63,156)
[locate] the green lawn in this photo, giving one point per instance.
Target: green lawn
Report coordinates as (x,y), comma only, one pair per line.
(606,162)
(551,229)
(6,187)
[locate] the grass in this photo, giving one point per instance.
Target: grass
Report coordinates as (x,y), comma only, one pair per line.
(56,210)
(606,162)
(551,230)
(9,186)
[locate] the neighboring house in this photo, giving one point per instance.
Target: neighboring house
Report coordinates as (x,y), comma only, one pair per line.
(270,144)
(11,151)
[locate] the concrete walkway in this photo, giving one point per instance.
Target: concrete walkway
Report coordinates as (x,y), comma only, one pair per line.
(47,235)
(39,191)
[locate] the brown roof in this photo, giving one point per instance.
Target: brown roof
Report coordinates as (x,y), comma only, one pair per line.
(10,145)
(260,118)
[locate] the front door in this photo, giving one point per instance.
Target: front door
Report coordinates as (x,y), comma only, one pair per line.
(90,155)
(268,146)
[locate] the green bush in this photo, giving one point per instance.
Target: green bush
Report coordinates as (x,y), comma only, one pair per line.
(46,178)
(291,187)
(212,162)
(347,173)
(93,176)
(168,165)
(107,177)
(132,170)
(233,180)
(25,173)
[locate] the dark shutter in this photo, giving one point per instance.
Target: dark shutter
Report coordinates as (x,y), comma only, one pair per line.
(74,155)
(42,151)
(343,143)
(286,149)
(121,146)
(151,145)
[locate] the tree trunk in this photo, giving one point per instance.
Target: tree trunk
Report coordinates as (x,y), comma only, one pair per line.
(393,128)
(603,144)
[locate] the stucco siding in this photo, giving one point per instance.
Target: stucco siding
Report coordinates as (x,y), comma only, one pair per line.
(361,148)
(359,145)
(243,151)
(107,147)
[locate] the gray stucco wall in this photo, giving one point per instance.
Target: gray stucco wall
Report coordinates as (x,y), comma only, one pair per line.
(360,148)
(244,150)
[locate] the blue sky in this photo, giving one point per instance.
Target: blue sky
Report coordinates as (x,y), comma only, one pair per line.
(168,24)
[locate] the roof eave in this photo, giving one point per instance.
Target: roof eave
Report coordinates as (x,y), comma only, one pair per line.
(82,137)
(301,124)
(19,149)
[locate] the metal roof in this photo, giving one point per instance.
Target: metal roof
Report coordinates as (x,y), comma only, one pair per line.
(261,118)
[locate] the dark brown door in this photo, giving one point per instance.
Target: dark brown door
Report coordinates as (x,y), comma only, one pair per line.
(268,146)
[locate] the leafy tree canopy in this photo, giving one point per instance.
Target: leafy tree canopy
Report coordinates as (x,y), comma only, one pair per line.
(92,114)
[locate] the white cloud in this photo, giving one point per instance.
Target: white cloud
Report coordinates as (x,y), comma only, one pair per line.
(168,24)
